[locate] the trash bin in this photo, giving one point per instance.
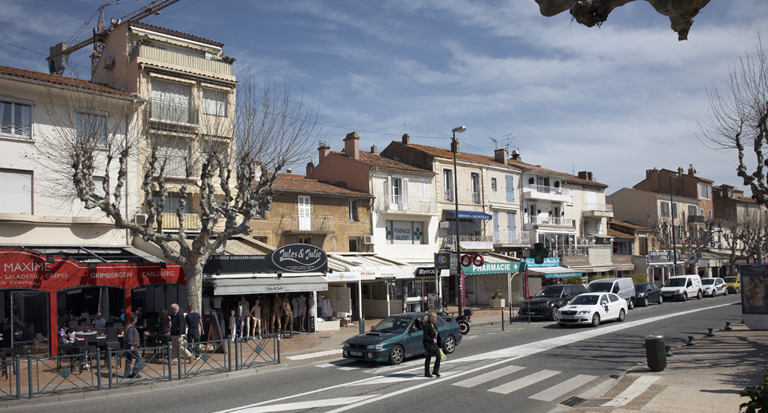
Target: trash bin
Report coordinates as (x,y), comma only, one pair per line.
(655,352)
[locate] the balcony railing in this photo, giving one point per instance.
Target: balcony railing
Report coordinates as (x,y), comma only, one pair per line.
(172,112)
(552,193)
(171,221)
(179,59)
(318,224)
(592,209)
(414,205)
(475,197)
(511,237)
(552,221)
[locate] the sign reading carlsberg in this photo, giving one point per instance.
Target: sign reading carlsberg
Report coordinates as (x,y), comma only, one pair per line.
(300,258)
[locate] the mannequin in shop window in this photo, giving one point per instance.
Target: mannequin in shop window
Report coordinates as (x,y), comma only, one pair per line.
(266,315)
(277,313)
(232,325)
(288,316)
(244,316)
(302,310)
(256,318)
(295,309)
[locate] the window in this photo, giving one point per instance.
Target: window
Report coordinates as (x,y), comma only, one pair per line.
(16,187)
(692,210)
(493,184)
(510,181)
(705,191)
(674,210)
(353,211)
(92,128)
(172,102)
(354,244)
(710,214)
(214,102)
(15,119)
(448,184)
(305,240)
(424,190)
(172,204)
(475,188)
(175,153)
(305,215)
(405,232)
(665,209)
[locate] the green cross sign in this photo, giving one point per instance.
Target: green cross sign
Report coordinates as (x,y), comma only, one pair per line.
(417,234)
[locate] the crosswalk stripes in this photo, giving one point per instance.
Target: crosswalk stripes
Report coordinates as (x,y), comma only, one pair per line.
(563,388)
(492,375)
(526,381)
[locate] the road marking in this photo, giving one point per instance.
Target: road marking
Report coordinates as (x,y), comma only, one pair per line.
(315,355)
(306,405)
(565,387)
(395,378)
(336,363)
(526,381)
(635,389)
(483,378)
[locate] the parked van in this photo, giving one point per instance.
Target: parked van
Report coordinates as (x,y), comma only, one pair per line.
(623,287)
(682,287)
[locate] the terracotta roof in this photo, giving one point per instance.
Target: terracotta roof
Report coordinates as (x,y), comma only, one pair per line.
(301,184)
(619,234)
(176,33)
(629,225)
(58,80)
(374,159)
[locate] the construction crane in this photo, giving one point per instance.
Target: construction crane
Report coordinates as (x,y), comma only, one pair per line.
(57,60)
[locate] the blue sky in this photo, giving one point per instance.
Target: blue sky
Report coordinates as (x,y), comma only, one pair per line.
(615,100)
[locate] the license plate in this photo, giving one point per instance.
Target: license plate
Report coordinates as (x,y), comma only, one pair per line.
(566,317)
(356,353)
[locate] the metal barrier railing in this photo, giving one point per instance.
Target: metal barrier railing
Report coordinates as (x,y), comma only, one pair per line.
(257,351)
(212,356)
(148,363)
(9,372)
(80,371)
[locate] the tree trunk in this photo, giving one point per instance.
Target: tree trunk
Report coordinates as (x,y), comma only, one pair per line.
(193,271)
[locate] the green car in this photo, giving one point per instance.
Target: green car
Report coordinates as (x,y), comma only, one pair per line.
(399,336)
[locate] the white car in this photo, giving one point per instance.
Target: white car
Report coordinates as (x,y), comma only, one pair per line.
(592,308)
(714,286)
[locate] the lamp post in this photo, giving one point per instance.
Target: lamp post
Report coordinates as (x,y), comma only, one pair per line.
(674,249)
(459,274)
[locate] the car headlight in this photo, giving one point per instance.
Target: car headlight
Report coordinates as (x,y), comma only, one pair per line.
(375,347)
(640,294)
(582,312)
(345,345)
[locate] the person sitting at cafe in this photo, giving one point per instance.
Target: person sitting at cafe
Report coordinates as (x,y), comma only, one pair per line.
(99,323)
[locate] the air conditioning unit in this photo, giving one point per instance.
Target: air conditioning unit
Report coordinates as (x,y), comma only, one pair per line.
(368,239)
(140,219)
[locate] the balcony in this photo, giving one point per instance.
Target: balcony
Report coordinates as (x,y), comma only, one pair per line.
(547,193)
(149,52)
(468,242)
(171,221)
(173,113)
(546,221)
(475,197)
(594,210)
(314,224)
(401,204)
(505,237)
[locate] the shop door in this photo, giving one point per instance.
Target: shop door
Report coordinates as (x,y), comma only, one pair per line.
(305,218)
(29,321)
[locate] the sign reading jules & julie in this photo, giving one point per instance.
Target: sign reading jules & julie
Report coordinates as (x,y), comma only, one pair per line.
(289,258)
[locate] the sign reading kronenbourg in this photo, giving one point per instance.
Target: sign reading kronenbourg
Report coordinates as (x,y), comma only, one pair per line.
(492,268)
(300,258)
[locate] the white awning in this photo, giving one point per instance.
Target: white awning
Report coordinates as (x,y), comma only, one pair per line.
(236,286)
(554,272)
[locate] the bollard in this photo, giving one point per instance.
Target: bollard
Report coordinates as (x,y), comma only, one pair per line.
(710,333)
(361,328)
(655,353)
(728,326)
(502,318)
(690,342)
(669,351)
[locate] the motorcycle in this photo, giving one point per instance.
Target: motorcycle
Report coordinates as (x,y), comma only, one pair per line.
(462,320)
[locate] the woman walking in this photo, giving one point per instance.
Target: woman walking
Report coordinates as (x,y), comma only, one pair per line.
(432,344)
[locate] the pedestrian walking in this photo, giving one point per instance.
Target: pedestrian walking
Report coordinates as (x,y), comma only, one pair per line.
(432,344)
(131,344)
(194,327)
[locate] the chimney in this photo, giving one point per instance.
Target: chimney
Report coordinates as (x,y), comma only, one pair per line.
(374,149)
(406,139)
(352,145)
(516,155)
(323,150)
(500,155)
(289,170)
(310,170)
(680,171)
(583,175)
(691,171)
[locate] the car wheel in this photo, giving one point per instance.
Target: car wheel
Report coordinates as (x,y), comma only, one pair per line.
(685,296)
(698,295)
(553,313)
(661,299)
(449,345)
(396,354)
(631,303)
(622,315)
(725,292)
(645,302)
(595,320)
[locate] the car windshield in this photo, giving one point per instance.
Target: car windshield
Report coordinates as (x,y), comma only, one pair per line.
(585,300)
(731,279)
(600,287)
(708,281)
(392,325)
(675,282)
(549,292)
(641,286)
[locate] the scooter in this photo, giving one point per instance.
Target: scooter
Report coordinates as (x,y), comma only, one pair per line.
(462,320)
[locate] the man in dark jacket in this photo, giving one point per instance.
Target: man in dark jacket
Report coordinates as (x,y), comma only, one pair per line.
(432,344)
(178,327)
(131,340)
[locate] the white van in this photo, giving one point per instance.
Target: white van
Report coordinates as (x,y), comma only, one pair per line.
(623,287)
(682,287)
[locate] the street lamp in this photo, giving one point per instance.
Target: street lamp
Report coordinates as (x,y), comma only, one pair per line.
(459,274)
(674,249)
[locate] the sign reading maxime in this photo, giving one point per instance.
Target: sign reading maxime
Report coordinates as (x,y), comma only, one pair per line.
(291,258)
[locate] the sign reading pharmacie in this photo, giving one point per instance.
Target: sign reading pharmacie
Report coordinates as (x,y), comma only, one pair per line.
(291,258)
(492,268)
(21,268)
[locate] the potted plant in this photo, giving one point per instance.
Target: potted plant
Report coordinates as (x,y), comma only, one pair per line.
(496,298)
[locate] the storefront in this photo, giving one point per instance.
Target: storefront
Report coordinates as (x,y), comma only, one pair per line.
(547,273)
(40,289)
(496,274)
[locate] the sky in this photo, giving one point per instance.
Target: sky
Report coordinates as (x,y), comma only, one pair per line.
(615,100)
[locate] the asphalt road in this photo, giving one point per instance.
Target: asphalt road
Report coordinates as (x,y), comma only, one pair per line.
(527,367)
